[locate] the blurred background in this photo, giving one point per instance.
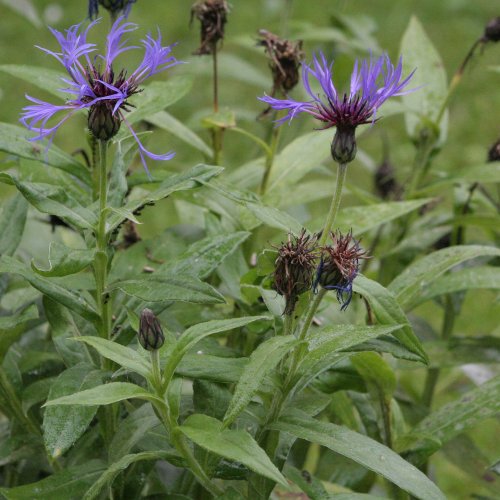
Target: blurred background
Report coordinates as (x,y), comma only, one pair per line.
(344,29)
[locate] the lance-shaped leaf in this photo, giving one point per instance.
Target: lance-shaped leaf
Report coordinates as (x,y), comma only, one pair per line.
(261,362)
(64,261)
(104,395)
(238,446)
(387,311)
(55,291)
(63,425)
(14,140)
(12,222)
(414,280)
(12,327)
(362,450)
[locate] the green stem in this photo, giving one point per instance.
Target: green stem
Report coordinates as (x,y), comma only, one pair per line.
(446,333)
(101,258)
(273,146)
(156,371)
(179,442)
(334,207)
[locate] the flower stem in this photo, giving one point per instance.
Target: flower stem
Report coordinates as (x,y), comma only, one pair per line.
(101,257)
(334,207)
(273,146)
(216,79)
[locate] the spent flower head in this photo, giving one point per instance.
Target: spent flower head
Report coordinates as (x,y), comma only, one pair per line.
(94,85)
(294,268)
(212,15)
(339,265)
(115,7)
(151,335)
(373,81)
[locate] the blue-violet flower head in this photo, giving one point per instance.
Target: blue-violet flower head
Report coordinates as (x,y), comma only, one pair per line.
(372,83)
(94,85)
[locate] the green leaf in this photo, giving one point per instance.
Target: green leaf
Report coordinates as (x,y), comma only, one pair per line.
(14,140)
(470,278)
(155,288)
(64,261)
(104,395)
(63,425)
(12,327)
(463,350)
(213,368)
(177,182)
(310,485)
(206,255)
(114,469)
(419,53)
(458,416)
(167,122)
(69,484)
(273,217)
(221,119)
(55,291)
(376,372)
(387,311)
(53,200)
(238,446)
(414,280)
(299,157)
(361,449)
(12,222)
(157,96)
(46,79)
(365,218)
(262,361)
(174,353)
(120,354)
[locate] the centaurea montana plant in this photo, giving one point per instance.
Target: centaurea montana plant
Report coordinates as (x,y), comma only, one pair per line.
(96,86)
(373,81)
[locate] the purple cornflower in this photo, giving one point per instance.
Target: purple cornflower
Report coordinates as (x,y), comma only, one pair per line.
(94,85)
(372,83)
(114,7)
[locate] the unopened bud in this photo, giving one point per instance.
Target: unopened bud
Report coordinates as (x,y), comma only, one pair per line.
(492,30)
(344,145)
(150,333)
(115,7)
(102,123)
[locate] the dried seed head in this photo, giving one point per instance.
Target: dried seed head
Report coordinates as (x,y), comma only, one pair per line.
(150,333)
(294,268)
(212,15)
(285,58)
(339,265)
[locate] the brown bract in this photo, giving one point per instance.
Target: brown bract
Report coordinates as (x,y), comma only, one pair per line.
(285,58)
(212,15)
(294,267)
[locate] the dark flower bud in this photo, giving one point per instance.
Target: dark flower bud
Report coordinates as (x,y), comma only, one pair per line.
(294,268)
(115,7)
(492,30)
(339,265)
(494,152)
(212,15)
(385,182)
(150,333)
(102,123)
(285,58)
(344,145)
